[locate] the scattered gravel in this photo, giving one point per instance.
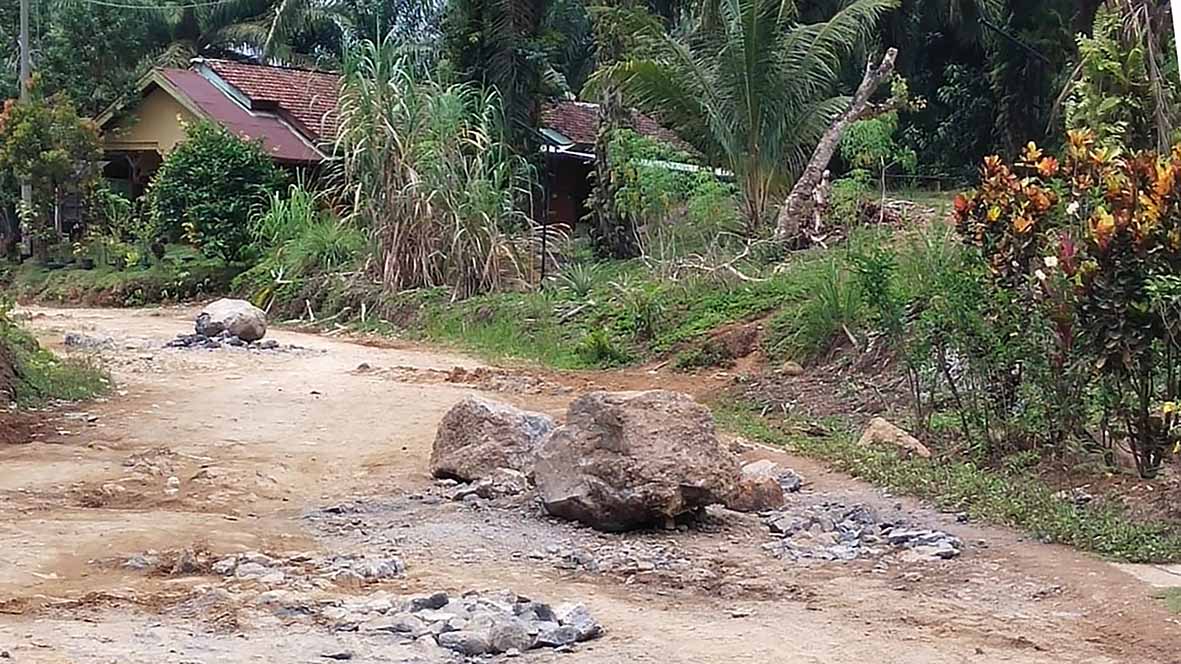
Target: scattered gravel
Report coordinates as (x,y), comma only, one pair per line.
(80,340)
(835,531)
(300,571)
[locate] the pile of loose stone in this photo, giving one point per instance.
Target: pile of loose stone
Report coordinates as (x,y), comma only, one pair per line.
(473,624)
(511,528)
(834,531)
(476,623)
(222,340)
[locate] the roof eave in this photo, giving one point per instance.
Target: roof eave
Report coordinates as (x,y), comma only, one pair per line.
(156,78)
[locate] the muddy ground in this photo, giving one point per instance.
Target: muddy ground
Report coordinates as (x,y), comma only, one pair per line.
(323,451)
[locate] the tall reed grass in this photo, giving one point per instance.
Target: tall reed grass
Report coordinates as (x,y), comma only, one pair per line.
(425,168)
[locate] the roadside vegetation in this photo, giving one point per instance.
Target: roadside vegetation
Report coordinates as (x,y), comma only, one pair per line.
(1025,329)
(1172,599)
(31,376)
(180,274)
(1010,496)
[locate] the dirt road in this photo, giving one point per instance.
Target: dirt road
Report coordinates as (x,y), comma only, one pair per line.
(324,449)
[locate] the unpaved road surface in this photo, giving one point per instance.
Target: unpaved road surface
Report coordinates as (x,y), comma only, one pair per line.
(324,450)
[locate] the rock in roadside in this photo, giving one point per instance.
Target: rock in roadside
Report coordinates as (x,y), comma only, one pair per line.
(881,432)
(759,489)
(477,437)
(627,460)
(87,341)
(237,317)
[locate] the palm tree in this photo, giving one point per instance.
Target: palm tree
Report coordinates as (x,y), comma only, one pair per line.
(750,86)
(227,29)
(498,44)
(273,30)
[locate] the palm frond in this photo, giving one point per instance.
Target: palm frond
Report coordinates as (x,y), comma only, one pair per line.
(813,53)
(749,85)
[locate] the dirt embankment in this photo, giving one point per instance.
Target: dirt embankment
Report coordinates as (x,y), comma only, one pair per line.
(15,427)
(7,375)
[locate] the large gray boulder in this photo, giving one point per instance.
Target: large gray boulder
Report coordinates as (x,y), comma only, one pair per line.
(478,437)
(632,459)
(237,318)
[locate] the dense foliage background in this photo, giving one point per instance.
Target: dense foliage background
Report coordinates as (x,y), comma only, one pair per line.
(992,71)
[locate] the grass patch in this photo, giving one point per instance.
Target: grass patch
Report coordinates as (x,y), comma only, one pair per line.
(833,306)
(1018,500)
(599,314)
(617,314)
(624,318)
(1172,599)
(39,376)
(181,275)
(504,326)
(593,316)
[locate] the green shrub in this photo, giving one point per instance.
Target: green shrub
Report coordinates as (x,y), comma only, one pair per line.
(702,357)
(207,189)
(675,212)
(639,308)
(847,196)
(598,349)
(832,309)
(871,145)
(300,238)
(579,279)
(1112,96)
(44,141)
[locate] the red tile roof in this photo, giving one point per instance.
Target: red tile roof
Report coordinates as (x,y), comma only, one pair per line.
(579,121)
(306,100)
(279,139)
(309,98)
(306,97)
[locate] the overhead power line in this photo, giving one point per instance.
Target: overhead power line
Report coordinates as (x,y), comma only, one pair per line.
(126,5)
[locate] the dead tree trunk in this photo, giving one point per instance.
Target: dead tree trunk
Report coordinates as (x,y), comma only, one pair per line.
(795,209)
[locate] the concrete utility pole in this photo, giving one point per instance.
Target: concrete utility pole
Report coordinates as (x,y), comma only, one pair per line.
(26,187)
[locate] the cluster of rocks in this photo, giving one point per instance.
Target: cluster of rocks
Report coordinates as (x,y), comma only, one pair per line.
(622,460)
(220,340)
(502,483)
(763,486)
(471,625)
(614,558)
(515,528)
(834,531)
(227,323)
(83,341)
(629,460)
